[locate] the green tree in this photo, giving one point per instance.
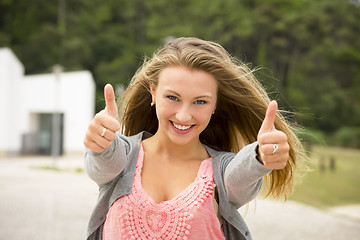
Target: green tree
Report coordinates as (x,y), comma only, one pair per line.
(307,51)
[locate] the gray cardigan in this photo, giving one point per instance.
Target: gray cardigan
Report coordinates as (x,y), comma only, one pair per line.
(238,178)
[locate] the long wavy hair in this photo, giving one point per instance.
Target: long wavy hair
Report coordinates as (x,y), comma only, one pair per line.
(241,104)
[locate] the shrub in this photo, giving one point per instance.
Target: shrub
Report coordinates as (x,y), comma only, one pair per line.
(347,137)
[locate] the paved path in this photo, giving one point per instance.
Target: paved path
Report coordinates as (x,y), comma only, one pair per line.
(48,205)
(277,220)
(44,204)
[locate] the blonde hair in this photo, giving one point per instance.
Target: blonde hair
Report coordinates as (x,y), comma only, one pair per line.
(241,105)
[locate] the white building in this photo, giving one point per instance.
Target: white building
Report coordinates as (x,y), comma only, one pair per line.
(28,105)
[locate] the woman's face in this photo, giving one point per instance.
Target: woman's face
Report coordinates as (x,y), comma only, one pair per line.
(185,100)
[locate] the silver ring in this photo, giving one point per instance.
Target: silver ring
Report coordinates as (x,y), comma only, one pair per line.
(275,148)
(103,132)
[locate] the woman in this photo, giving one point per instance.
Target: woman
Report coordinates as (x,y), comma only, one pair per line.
(198,134)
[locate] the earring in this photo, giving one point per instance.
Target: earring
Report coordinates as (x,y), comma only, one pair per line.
(152,103)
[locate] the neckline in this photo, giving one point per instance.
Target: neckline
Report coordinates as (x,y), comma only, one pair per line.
(200,173)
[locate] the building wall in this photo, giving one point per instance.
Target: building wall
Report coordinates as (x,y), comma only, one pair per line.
(73,94)
(24,98)
(11,74)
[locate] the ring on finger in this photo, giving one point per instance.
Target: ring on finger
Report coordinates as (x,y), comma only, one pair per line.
(275,148)
(103,132)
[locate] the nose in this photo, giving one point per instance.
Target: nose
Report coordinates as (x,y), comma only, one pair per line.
(183,115)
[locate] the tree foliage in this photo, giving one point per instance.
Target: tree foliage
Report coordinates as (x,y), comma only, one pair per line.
(308,51)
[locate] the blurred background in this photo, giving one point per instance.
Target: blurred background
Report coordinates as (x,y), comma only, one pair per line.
(308,51)
(56,57)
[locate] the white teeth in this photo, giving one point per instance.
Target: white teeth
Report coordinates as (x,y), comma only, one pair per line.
(181,127)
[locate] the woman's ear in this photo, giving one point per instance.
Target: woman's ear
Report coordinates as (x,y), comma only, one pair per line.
(213,112)
(152,89)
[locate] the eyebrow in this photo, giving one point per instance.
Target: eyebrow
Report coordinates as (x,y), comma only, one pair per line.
(201,96)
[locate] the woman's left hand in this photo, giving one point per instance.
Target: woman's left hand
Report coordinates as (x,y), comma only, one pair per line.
(273,144)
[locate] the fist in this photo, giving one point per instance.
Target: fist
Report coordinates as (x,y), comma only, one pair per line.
(102,129)
(273,144)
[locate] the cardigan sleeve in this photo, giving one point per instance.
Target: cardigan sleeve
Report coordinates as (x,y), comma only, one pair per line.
(104,167)
(244,176)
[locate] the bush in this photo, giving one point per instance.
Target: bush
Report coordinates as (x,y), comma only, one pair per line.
(347,137)
(311,136)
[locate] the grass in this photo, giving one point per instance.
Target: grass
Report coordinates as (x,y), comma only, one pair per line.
(324,187)
(57,169)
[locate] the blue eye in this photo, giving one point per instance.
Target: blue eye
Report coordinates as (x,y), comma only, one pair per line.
(173,98)
(200,102)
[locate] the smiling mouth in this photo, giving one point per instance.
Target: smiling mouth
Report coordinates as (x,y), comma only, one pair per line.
(181,127)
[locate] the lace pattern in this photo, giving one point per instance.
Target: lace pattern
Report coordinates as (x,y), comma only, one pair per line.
(139,217)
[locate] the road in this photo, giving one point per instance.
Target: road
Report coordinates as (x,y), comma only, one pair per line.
(55,205)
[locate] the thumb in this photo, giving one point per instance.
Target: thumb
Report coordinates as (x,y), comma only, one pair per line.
(268,123)
(110,102)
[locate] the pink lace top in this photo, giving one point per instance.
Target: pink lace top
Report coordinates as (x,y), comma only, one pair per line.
(190,215)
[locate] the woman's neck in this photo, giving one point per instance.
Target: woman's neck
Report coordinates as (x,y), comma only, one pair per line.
(169,150)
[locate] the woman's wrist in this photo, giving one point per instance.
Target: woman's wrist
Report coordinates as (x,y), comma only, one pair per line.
(258,154)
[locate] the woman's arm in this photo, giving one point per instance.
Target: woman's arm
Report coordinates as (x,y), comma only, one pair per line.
(244,176)
(104,167)
(105,154)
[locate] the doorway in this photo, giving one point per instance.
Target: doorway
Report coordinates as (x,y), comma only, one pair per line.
(46,134)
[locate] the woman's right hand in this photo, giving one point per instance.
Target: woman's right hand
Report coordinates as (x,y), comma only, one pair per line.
(102,129)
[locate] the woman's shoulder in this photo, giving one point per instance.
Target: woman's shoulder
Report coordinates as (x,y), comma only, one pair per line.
(223,158)
(132,143)
(218,153)
(220,158)
(134,139)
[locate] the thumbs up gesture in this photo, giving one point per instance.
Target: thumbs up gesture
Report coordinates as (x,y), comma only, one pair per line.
(273,144)
(102,129)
